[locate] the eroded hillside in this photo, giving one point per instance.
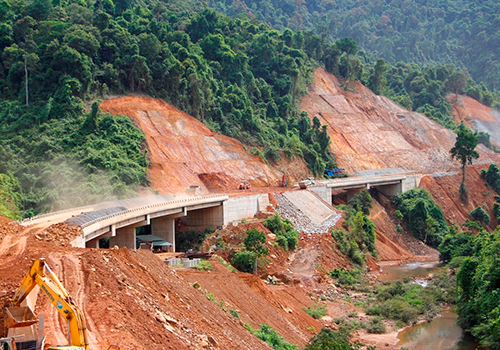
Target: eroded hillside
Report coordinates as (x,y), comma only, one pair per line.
(184,152)
(370,131)
(476,116)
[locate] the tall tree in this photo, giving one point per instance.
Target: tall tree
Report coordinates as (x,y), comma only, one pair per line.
(456,82)
(464,151)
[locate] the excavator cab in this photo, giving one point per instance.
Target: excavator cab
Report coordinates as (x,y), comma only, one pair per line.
(7,344)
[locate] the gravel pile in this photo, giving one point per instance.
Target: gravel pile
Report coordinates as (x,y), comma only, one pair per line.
(301,221)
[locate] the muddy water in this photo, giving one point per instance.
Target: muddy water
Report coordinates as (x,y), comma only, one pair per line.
(442,333)
(414,269)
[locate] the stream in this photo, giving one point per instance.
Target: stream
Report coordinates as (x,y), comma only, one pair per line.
(442,333)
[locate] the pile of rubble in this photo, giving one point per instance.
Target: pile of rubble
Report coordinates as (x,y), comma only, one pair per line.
(301,221)
(10,228)
(61,233)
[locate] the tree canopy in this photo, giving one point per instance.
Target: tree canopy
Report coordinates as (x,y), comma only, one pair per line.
(464,149)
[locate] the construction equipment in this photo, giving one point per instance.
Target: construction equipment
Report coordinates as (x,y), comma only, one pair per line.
(244,186)
(7,344)
(284,181)
(336,172)
(22,316)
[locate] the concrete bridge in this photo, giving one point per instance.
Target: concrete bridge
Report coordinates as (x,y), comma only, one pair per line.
(118,220)
(389,185)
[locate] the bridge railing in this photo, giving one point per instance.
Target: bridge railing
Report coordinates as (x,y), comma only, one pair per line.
(34,219)
(53,213)
(145,207)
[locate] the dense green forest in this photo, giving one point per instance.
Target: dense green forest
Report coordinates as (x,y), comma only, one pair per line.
(464,33)
(240,77)
(415,62)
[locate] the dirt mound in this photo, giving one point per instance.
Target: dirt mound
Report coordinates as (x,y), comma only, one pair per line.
(134,300)
(261,303)
(60,233)
(184,152)
(4,220)
(370,131)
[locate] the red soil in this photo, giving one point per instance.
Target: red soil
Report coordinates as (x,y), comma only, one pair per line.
(370,131)
(184,152)
(467,109)
(134,300)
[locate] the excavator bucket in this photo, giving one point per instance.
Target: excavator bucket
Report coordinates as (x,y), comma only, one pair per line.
(19,316)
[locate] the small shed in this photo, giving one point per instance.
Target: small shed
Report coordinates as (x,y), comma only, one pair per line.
(154,243)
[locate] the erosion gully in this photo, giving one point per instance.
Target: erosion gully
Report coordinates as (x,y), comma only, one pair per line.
(442,333)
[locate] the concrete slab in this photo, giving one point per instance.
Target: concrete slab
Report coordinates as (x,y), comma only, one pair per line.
(310,205)
(307,212)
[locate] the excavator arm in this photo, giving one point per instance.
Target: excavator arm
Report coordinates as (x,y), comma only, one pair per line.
(40,274)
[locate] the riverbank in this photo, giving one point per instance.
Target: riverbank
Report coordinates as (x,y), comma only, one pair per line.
(406,297)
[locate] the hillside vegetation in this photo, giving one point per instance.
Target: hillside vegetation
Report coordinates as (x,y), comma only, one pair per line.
(238,76)
(464,33)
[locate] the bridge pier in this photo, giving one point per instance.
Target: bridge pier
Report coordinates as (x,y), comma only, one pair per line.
(94,243)
(125,237)
(164,227)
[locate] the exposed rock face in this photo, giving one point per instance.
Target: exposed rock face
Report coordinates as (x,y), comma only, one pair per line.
(183,151)
(370,131)
(476,116)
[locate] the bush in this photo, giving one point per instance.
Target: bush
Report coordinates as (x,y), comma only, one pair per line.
(327,339)
(480,215)
(346,277)
(316,311)
(272,338)
(244,261)
(356,242)
(286,235)
(362,201)
(398,309)
(492,177)
(282,241)
(376,325)
(423,218)
(373,310)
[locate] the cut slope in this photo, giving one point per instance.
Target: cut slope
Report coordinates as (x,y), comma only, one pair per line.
(370,131)
(444,188)
(476,116)
(183,151)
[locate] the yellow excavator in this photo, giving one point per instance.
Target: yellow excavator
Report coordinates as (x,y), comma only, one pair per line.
(41,275)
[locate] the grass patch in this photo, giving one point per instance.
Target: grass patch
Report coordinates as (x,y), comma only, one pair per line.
(346,277)
(226,264)
(316,311)
(271,337)
(204,266)
(407,301)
